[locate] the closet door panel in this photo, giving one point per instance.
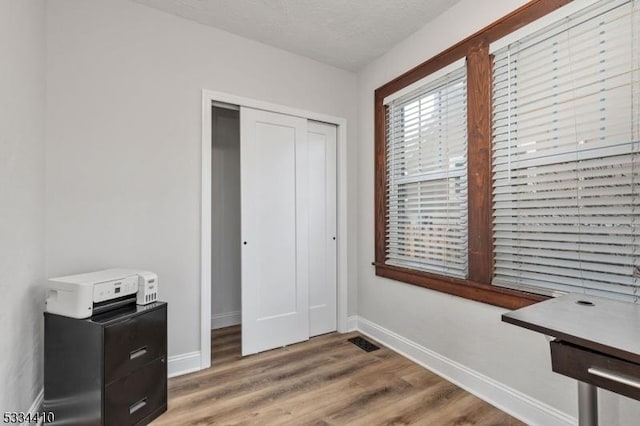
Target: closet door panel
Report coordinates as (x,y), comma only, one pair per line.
(322,228)
(274,186)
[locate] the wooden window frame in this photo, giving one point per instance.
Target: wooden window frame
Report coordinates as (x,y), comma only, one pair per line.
(479,80)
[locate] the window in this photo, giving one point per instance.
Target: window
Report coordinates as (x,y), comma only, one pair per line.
(427,177)
(552,159)
(566,155)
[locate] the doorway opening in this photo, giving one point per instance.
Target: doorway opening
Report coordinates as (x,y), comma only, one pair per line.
(225,231)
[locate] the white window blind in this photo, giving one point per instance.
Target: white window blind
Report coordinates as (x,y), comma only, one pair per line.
(426,156)
(566,155)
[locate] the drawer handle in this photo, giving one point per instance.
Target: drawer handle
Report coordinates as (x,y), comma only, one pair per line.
(138,405)
(625,380)
(138,353)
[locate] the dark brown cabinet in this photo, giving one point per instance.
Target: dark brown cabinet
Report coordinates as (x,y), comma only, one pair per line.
(110,369)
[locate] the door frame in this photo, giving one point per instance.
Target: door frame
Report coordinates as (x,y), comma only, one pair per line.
(209,97)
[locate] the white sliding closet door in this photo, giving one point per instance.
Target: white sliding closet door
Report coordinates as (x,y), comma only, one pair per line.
(275,230)
(322,228)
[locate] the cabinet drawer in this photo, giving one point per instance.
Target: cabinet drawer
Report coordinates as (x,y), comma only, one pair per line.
(598,369)
(131,400)
(130,344)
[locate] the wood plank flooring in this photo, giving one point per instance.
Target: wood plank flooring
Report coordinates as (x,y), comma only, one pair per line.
(325,381)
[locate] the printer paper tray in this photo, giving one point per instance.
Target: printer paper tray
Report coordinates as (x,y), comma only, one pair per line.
(108,305)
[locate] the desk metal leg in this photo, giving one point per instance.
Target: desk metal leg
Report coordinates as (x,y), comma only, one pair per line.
(587,404)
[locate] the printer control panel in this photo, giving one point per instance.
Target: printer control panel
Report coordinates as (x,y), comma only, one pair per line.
(114,289)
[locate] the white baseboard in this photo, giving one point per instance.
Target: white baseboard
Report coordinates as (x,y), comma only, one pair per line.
(511,401)
(183,364)
(352,323)
(36,408)
(225,320)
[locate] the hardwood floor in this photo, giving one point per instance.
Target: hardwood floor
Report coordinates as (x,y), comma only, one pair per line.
(325,381)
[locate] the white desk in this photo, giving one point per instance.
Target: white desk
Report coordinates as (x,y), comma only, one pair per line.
(597,342)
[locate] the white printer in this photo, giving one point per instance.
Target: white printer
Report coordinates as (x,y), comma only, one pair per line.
(84,295)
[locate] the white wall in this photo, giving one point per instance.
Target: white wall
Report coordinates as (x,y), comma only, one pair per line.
(22,103)
(124,86)
(225,218)
(466,332)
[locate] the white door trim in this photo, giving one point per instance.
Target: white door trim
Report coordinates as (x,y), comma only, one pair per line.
(208,98)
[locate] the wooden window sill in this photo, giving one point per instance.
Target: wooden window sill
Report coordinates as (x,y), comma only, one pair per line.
(497,296)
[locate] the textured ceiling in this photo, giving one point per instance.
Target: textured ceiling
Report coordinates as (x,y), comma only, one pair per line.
(345,33)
